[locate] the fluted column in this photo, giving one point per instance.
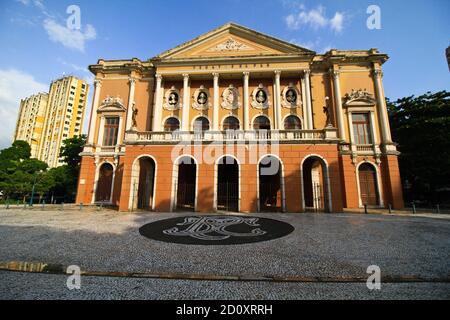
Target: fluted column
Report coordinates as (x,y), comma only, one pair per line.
(309,112)
(216,102)
(246,106)
(157,106)
(186,94)
(338,103)
(130,104)
(382,109)
(277,122)
(97,88)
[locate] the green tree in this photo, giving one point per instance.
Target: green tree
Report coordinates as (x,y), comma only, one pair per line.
(18,172)
(421,126)
(71,149)
(19,150)
(65,177)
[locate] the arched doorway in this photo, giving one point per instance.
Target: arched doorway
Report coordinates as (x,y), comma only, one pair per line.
(228,184)
(143,183)
(315,185)
(368,185)
(186,184)
(146,183)
(104,183)
(270,183)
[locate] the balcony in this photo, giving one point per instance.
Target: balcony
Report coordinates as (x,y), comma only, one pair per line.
(305,136)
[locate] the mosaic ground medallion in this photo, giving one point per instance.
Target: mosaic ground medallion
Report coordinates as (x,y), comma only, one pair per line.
(215,230)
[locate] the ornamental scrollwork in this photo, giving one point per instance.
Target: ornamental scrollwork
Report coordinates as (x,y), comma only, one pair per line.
(260,97)
(230,98)
(290,97)
(359,97)
(172,99)
(201,99)
(230,45)
(111,104)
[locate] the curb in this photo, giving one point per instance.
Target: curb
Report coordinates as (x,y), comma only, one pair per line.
(39,267)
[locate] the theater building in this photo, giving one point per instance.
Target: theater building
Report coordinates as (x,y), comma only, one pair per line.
(236,120)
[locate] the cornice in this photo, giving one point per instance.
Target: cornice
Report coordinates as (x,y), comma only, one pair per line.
(233,60)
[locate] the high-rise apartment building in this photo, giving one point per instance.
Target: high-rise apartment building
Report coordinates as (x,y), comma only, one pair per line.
(63,117)
(30,121)
(46,119)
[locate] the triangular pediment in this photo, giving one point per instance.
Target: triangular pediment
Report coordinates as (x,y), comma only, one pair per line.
(232,40)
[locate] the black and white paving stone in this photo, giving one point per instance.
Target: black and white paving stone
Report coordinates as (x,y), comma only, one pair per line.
(331,245)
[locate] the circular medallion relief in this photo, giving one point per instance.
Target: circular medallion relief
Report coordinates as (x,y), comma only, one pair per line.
(291,96)
(261,96)
(216,230)
(173,99)
(202,98)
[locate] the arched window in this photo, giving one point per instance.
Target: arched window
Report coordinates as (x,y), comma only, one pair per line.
(171,124)
(231,123)
(201,124)
(261,123)
(292,123)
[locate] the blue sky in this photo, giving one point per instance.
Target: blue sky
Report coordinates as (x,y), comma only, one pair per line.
(38,47)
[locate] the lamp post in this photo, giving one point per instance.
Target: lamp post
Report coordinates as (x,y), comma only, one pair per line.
(34,185)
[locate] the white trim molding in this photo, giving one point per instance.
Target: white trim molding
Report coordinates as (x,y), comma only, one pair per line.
(378,183)
(134,183)
(97,177)
(294,115)
(329,206)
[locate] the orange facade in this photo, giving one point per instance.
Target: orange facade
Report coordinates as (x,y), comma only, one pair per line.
(262,126)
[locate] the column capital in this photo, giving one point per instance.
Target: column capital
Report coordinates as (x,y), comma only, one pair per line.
(335,73)
(377,73)
(307,72)
(97,83)
(215,74)
(277,73)
(246,74)
(158,76)
(131,80)
(185,76)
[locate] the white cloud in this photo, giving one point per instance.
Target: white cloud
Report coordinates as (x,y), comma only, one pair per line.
(315,19)
(24,2)
(337,22)
(73,39)
(36,3)
(14,85)
(39,4)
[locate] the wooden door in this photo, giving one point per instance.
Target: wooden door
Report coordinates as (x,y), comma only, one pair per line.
(367,185)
